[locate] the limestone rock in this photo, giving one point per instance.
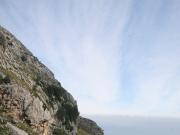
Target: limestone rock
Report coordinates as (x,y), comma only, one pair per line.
(15,131)
(30,97)
(30,94)
(89,127)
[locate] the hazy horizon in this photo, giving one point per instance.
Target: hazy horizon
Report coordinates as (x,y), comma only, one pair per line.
(137,125)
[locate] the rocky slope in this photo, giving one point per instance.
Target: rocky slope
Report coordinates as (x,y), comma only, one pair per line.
(32,101)
(88,127)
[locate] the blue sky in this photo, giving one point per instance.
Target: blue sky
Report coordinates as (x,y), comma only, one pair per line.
(115,57)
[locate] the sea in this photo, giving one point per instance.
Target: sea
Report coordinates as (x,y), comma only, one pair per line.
(126,125)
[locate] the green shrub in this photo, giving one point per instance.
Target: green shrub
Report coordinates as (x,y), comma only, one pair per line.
(4,130)
(59,131)
(54,92)
(2,39)
(82,132)
(26,127)
(1,79)
(69,112)
(23,58)
(5,80)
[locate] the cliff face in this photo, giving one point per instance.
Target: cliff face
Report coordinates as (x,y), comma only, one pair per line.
(29,93)
(31,99)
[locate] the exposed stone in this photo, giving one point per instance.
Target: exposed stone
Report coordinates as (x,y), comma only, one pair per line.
(15,131)
(30,94)
(89,126)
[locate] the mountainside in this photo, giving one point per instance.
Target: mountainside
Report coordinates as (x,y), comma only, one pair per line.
(88,127)
(32,101)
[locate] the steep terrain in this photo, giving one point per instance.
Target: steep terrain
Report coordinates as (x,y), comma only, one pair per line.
(88,127)
(32,101)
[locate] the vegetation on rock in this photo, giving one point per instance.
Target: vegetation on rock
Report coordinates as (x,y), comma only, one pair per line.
(3,128)
(30,96)
(82,132)
(5,79)
(2,39)
(59,131)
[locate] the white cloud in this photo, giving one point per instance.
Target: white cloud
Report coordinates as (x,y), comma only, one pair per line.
(87,43)
(81,43)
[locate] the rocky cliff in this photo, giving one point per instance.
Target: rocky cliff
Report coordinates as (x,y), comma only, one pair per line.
(88,127)
(32,101)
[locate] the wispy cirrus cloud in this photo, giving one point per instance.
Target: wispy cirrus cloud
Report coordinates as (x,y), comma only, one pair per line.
(115,57)
(80,41)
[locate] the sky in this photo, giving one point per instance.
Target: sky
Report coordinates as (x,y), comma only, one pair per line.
(116,57)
